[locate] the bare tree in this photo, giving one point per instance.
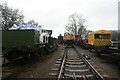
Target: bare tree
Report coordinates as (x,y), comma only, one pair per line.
(75,23)
(82,32)
(10,16)
(32,22)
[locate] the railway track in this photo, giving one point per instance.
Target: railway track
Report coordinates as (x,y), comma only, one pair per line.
(75,66)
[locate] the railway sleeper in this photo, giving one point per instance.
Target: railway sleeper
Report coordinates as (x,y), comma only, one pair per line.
(79,76)
(53,74)
(75,63)
(75,66)
(83,70)
(73,60)
(57,65)
(55,69)
(58,62)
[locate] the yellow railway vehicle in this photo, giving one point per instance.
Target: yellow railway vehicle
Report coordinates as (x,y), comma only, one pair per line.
(68,36)
(68,39)
(100,40)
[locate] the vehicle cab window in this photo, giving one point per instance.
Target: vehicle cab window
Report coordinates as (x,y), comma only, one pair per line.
(106,36)
(98,36)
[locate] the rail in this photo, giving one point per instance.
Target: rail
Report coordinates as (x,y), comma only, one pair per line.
(62,65)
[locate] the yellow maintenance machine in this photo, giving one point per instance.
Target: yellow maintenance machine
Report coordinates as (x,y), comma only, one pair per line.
(69,39)
(100,40)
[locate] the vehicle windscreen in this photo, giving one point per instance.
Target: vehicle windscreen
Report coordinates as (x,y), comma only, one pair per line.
(98,36)
(66,34)
(106,36)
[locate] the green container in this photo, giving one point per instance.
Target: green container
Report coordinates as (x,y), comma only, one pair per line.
(19,38)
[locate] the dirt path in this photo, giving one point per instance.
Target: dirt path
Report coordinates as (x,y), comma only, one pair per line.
(43,68)
(104,65)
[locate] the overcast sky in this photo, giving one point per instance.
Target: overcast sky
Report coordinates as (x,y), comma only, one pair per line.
(53,14)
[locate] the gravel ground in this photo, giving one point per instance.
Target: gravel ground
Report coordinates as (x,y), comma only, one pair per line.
(42,68)
(103,64)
